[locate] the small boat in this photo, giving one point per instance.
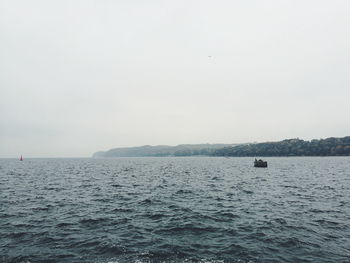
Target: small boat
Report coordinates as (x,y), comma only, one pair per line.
(21,159)
(260,163)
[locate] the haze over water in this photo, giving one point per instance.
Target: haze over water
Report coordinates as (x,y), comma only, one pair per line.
(82,76)
(175,210)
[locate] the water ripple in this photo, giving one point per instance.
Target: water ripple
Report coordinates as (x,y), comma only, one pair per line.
(200,210)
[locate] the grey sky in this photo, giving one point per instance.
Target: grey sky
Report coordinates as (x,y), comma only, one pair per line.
(81,76)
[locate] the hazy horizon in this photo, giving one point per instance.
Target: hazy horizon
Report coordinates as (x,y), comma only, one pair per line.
(77,77)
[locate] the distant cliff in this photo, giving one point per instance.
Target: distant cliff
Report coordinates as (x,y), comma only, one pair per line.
(292,147)
(163,150)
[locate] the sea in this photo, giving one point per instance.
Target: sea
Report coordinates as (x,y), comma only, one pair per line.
(175,209)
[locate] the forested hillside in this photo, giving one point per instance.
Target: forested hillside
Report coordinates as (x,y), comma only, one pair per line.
(291,147)
(163,150)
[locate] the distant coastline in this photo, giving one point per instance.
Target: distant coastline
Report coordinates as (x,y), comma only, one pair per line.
(164,150)
(291,147)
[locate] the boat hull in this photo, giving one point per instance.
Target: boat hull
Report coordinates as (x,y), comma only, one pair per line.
(260,164)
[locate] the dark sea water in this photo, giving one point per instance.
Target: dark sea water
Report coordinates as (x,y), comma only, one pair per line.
(175,210)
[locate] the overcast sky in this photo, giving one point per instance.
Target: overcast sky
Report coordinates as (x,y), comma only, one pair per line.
(82,76)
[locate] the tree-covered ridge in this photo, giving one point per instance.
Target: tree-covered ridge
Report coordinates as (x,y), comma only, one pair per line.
(292,147)
(163,150)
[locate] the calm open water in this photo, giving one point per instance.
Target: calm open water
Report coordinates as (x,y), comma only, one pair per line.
(175,210)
